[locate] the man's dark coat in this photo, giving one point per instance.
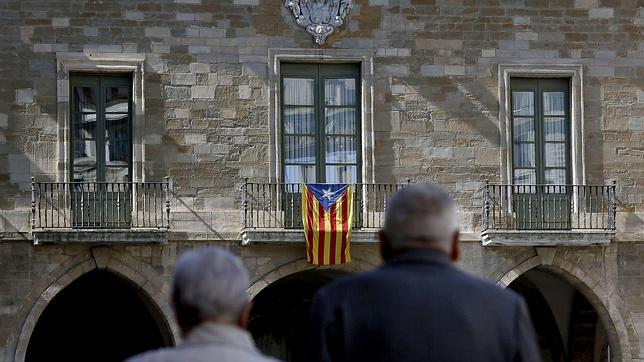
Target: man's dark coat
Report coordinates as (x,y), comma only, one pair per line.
(418,307)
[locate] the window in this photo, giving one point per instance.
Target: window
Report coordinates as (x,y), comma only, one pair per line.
(101,128)
(101,150)
(320,123)
(541,153)
(540,131)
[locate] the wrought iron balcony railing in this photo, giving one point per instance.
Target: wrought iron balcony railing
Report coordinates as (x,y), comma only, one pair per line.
(278,205)
(549,207)
(100,205)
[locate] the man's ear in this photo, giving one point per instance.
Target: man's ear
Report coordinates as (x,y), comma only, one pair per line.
(455,253)
(244,316)
(386,251)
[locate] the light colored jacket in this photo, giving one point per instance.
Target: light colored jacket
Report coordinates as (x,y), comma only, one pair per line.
(209,342)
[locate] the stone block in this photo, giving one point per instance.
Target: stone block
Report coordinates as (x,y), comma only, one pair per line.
(601,71)
(199,49)
(203,92)
(134,15)
(60,22)
(199,68)
(183,79)
(432,70)
(600,13)
(439,44)
(636,123)
(246,2)
(454,70)
(194,138)
(4,120)
(157,32)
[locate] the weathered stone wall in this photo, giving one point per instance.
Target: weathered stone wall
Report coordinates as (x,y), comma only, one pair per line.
(435,92)
(206,101)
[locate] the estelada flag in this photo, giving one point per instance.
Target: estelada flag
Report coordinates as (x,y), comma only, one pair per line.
(327,215)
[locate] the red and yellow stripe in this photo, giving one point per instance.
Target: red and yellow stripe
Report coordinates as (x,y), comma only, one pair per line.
(327,233)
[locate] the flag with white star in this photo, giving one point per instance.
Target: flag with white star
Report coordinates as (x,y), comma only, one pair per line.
(327,215)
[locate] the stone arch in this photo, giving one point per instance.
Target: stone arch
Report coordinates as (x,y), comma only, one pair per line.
(130,269)
(299,265)
(607,303)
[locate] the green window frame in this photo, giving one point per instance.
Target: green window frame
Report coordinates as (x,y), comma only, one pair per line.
(321,122)
(101,128)
(540,110)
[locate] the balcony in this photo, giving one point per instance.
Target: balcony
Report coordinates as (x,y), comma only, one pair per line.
(100,212)
(547,215)
(272,212)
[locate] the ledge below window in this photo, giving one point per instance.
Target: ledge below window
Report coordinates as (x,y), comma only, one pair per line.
(291,236)
(100,236)
(546,237)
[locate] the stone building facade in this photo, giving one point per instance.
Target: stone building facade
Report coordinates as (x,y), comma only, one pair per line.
(436,100)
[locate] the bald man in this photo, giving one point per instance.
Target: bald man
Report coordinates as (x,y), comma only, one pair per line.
(418,306)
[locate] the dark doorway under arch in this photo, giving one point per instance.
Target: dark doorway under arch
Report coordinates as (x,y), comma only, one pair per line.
(280,317)
(98,317)
(568,327)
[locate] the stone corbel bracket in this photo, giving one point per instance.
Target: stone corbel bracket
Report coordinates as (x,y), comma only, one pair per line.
(319,17)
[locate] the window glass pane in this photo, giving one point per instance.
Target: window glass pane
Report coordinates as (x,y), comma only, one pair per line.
(524,155)
(299,149)
(523,103)
(299,120)
(341,149)
(524,177)
(84,126)
(117,174)
(116,99)
(555,177)
(117,139)
(84,99)
(554,103)
(298,91)
(555,155)
(554,128)
(523,129)
(340,121)
(340,92)
(344,174)
(299,173)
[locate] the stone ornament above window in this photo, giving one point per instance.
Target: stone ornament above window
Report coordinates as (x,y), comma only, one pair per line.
(319,17)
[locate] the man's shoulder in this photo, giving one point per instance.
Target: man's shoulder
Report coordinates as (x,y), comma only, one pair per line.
(199,353)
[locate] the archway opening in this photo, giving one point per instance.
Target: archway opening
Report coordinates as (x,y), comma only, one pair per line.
(280,317)
(98,317)
(567,325)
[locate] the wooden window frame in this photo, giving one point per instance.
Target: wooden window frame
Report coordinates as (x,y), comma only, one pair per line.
(101,82)
(538,86)
(321,72)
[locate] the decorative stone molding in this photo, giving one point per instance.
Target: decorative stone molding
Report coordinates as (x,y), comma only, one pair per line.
(319,17)
(362,56)
(575,73)
(121,63)
(287,236)
(101,236)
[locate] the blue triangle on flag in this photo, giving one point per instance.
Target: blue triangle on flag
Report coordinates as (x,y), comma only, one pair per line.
(327,194)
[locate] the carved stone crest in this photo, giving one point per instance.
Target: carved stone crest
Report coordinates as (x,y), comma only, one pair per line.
(319,17)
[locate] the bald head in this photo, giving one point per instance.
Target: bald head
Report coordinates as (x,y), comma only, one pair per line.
(420,216)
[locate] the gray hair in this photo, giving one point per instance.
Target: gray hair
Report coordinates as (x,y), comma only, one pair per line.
(420,213)
(209,284)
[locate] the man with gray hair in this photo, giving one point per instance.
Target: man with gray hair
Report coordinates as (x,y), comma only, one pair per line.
(212,308)
(418,306)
